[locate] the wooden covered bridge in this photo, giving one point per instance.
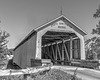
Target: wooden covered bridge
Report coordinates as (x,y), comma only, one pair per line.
(59,40)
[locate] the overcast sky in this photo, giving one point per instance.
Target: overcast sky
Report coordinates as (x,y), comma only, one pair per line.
(19,17)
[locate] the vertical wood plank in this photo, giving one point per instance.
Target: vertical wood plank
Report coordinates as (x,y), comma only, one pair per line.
(45,56)
(56,54)
(48,52)
(62,53)
(71,48)
(53,51)
(79,48)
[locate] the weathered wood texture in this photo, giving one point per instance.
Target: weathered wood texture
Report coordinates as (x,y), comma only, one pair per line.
(62,52)
(76,49)
(24,53)
(47,40)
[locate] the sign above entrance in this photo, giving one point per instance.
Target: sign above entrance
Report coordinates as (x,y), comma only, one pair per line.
(62,27)
(59,25)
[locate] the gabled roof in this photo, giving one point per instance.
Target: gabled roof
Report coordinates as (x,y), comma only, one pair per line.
(62,17)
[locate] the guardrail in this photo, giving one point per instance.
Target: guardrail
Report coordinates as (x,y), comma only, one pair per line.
(94,64)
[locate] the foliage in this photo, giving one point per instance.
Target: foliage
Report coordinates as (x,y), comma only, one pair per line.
(92,48)
(56,74)
(3,41)
(93,44)
(74,75)
(97,13)
(97,30)
(52,74)
(3,48)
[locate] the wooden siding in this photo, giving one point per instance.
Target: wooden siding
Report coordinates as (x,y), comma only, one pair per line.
(25,52)
(76,49)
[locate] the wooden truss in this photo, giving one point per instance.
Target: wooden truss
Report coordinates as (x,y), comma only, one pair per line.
(58,48)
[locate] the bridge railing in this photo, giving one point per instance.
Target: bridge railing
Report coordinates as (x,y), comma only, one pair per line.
(94,64)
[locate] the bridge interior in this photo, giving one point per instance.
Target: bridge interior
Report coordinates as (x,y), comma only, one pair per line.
(60,47)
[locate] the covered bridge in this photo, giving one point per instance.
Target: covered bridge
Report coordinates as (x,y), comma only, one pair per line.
(58,40)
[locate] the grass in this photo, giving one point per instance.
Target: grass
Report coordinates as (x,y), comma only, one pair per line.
(52,74)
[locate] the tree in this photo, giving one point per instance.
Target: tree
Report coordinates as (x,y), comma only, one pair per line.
(93,44)
(3,48)
(97,13)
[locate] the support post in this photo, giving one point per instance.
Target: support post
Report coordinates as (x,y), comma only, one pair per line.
(82,47)
(71,48)
(56,53)
(53,51)
(66,51)
(62,52)
(47,53)
(58,50)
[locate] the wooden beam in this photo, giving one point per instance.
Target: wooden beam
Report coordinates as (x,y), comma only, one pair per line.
(53,51)
(55,35)
(52,38)
(66,51)
(71,48)
(62,53)
(46,57)
(58,51)
(53,43)
(44,54)
(47,53)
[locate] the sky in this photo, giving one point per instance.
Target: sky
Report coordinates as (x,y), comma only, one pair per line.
(19,17)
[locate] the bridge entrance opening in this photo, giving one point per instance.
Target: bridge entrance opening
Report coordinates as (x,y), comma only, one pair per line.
(60,47)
